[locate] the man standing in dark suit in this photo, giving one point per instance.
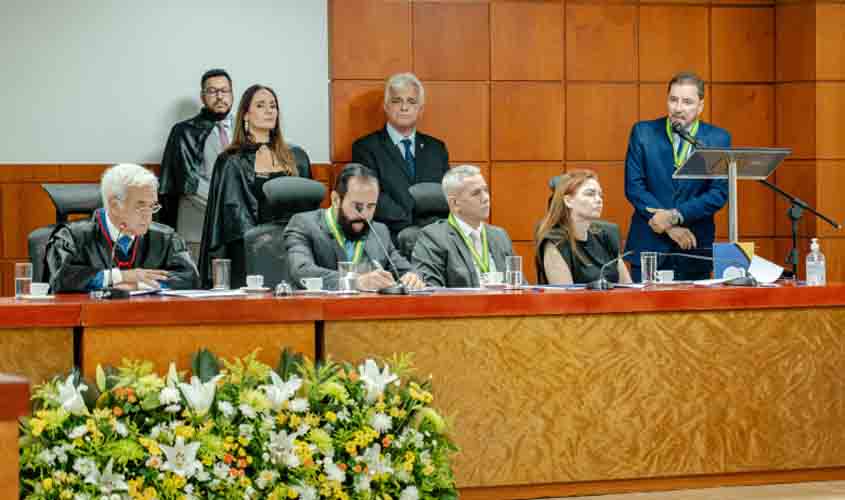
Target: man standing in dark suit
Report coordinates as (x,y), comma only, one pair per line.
(672,215)
(317,240)
(401,156)
(456,252)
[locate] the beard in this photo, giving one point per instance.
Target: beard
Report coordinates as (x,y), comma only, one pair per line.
(215,116)
(346,228)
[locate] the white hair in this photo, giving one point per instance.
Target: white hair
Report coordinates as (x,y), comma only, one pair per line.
(121,176)
(400,81)
(455,177)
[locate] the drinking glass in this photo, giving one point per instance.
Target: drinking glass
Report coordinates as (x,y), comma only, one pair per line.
(220,271)
(648,267)
(513,272)
(23,279)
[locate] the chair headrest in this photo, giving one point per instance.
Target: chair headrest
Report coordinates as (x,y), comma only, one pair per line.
(553,182)
(429,199)
(74,198)
(294,194)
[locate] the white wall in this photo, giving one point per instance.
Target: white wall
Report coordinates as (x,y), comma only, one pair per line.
(102,81)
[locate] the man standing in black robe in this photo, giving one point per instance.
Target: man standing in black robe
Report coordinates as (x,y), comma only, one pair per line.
(189,156)
(120,245)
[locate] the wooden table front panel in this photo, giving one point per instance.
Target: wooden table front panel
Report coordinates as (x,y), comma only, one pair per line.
(606,397)
(163,344)
(37,354)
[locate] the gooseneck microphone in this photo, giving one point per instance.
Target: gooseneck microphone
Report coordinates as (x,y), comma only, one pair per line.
(112,292)
(602,283)
(399,287)
(679,129)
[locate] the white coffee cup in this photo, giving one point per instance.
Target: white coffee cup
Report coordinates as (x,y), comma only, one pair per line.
(254,281)
(665,276)
(312,284)
(39,289)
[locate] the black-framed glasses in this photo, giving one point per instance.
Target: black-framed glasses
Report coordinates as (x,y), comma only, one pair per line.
(211,91)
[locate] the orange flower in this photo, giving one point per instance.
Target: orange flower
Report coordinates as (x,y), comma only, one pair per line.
(357,469)
(342,466)
(242,463)
(353,376)
(228,459)
(117,411)
(233,472)
(386,441)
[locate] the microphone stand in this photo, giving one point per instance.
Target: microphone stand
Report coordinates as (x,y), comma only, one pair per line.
(794,213)
(602,283)
(399,288)
(111,292)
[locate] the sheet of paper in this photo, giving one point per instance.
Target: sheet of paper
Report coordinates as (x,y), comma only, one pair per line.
(199,294)
(713,282)
(764,271)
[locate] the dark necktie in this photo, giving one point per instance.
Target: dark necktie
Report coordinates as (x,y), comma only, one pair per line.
(124,242)
(409,158)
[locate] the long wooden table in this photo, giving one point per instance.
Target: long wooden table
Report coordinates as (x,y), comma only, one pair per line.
(552,392)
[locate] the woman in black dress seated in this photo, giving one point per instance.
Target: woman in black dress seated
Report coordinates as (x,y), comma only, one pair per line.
(572,243)
(236,201)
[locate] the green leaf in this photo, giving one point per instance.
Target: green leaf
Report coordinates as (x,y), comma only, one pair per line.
(101,378)
(205,365)
(289,364)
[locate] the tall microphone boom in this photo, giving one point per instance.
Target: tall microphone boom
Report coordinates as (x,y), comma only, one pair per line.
(602,283)
(398,288)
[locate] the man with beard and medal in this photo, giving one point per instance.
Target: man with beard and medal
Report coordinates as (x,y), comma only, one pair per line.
(120,245)
(317,240)
(673,215)
(188,161)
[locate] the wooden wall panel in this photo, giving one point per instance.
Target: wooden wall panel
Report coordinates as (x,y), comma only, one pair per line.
(795,42)
(357,109)
(799,179)
(598,120)
(673,39)
(451,41)
(617,208)
(796,118)
(529,266)
(752,31)
(24,207)
(527,121)
(830,110)
(831,180)
(756,212)
(601,42)
(519,195)
(830,41)
(834,252)
(356,54)
(733,107)
(521,28)
(653,101)
(459,113)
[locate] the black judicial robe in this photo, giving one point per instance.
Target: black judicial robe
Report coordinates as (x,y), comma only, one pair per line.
(233,209)
(77,251)
(180,165)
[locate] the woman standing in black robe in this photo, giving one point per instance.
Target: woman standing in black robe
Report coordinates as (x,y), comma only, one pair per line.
(236,201)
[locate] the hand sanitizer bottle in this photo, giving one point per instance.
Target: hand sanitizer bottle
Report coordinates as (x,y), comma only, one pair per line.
(815,265)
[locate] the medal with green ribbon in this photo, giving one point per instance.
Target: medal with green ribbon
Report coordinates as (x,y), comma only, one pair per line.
(483,260)
(359,245)
(681,153)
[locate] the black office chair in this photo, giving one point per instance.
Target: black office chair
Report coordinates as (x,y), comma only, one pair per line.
(68,199)
(430,205)
(264,244)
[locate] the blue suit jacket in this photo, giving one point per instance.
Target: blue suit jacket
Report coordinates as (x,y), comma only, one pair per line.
(649,166)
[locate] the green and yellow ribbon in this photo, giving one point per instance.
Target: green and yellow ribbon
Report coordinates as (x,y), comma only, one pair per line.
(483,260)
(359,246)
(684,150)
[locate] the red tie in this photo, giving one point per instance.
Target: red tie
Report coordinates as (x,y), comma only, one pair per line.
(224,138)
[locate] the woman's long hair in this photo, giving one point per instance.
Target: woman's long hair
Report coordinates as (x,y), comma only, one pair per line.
(243,137)
(557,224)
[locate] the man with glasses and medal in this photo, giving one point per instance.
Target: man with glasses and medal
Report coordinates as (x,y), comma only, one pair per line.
(120,245)
(189,156)
(318,240)
(673,216)
(461,250)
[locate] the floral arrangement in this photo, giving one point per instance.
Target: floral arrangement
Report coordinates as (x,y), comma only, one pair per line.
(238,431)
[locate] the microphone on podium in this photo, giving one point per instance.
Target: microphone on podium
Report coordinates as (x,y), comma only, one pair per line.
(679,129)
(399,287)
(602,283)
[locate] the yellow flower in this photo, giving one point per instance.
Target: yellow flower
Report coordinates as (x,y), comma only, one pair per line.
(150,445)
(428,470)
(351,448)
(292,493)
(66,495)
(185,431)
(243,440)
(37,426)
(295,420)
(281,418)
(47,484)
(330,416)
(312,420)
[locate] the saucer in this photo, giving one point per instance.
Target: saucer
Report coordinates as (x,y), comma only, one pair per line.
(494,286)
(38,297)
(261,289)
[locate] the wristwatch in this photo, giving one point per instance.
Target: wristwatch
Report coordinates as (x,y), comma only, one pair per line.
(677,218)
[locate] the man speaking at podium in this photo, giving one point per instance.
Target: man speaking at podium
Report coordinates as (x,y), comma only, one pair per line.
(670,215)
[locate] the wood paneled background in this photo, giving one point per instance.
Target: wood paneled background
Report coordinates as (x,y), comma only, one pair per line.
(526,89)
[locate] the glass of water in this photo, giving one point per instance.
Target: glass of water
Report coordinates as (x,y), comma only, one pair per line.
(648,267)
(513,272)
(23,279)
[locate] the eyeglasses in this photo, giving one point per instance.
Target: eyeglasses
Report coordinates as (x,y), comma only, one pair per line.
(210,91)
(398,101)
(148,210)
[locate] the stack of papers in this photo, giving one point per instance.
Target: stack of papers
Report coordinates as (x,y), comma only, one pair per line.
(200,294)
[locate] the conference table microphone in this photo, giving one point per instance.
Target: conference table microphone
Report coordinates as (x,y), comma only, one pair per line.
(399,288)
(112,292)
(602,283)
(679,129)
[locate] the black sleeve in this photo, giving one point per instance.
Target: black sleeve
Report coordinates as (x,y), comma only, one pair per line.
(67,265)
(178,262)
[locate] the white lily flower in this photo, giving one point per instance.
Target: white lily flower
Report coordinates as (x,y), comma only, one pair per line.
(376,463)
(108,481)
(410,493)
(78,432)
(70,397)
(306,492)
(333,472)
(181,458)
(374,380)
(200,396)
(381,422)
(280,391)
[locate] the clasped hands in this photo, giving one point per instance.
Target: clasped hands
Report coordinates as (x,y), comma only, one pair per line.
(134,278)
(661,222)
(378,279)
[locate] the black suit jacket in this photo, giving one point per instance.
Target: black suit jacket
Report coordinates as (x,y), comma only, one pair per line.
(395,205)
